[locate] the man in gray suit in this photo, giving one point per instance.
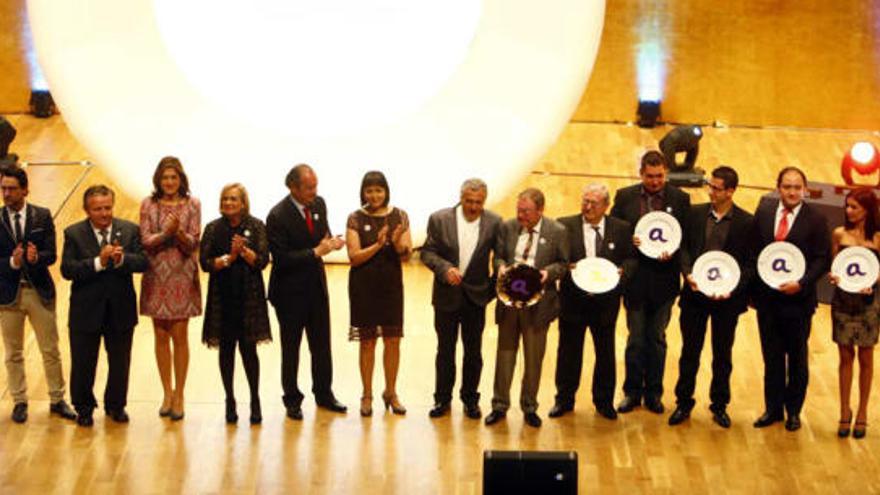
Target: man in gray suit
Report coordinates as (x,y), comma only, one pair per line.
(542,243)
(457,251)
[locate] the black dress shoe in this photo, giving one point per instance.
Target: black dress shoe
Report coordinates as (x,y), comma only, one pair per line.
(654,405)
(494,417)
(231,412)
(793,423)
(628,404)
(559,410)
(606,411)
(19,412)
(767,419)
(532,419)
(720,417)
(84,418)
(439,410)
(256,412)
(62,409)
(295,412)
(118,415)
(472,411)
(679,416)
(332,405)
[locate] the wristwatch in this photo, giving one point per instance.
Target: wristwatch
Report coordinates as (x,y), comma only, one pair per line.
(225,260)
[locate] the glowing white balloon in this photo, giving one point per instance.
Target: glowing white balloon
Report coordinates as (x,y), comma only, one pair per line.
(429,91)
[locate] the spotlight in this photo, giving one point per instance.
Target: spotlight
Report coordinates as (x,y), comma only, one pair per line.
(41,103)
(648,112)
(683,139)
(863,157)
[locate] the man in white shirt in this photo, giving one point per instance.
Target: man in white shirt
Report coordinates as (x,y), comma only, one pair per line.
(457,248)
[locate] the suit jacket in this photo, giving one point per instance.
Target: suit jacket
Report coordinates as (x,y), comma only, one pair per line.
(296,271)
(810,234)
(440,253)
(737,245)
(551,255)
(40,230)
(654,281)
(616,246)
(95,293)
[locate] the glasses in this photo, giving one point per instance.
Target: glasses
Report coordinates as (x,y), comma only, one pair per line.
(714,187)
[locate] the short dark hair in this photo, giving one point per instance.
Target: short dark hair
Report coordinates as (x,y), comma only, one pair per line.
(727,175)
(97,190)
(375,178)
(787,170)
(295,174)
(535,195)
(173,163)
(653,158)
(15,172)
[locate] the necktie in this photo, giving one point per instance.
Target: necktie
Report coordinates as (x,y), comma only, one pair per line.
(598,241)
(309,222)
(103,233)
(528,247)
(18,234)
(782,229)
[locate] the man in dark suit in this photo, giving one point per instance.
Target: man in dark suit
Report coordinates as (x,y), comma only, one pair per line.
(591,234)
(650,294)
(459,242)
(27,249)
(100,255)
(719,225)
(299,236)
(785,313)
(540,242)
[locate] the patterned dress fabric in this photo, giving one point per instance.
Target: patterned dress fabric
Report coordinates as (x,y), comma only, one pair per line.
(170,287)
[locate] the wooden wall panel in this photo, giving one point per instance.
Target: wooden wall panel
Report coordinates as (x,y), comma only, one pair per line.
(14,71)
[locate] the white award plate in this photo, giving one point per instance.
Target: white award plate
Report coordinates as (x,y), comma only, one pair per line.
(658,232)
(781,262)
(716,273)
(856,268)
(595,275)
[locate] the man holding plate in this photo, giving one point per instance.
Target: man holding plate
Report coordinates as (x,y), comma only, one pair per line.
(591,234)
(719,225)
(540,243)
(651,292)
(785,311)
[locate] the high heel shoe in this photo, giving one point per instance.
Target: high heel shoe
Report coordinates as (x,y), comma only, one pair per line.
(256,412)
(392,402)
(231,413)
(165,411)
(176,415)
(367,405)
(860,429)
(843,427)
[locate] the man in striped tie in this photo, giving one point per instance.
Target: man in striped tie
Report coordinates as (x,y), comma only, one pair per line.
(785,312)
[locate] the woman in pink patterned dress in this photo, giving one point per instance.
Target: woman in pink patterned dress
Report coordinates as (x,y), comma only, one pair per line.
(170,292)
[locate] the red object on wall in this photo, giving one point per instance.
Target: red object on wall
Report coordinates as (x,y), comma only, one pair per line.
(864,158)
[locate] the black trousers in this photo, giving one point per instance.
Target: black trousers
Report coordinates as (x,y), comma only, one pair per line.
(693,321)
(645,353)
(602,320)
(471,319)
(786,370)
(313,317)
(84,349)
(249,359)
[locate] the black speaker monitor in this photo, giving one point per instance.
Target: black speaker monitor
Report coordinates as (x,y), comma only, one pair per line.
(523,472)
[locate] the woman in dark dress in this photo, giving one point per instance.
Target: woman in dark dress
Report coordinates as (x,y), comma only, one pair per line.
(378,240)
(234,250)
(856,317)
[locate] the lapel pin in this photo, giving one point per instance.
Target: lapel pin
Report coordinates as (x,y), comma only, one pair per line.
(542,240)
(668,209)
(368,228)
(610,245)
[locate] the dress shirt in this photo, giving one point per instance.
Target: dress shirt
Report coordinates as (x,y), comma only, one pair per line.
(717,229)
(590,237)
(98,266)
(468,234)
(791,216)
(523,239)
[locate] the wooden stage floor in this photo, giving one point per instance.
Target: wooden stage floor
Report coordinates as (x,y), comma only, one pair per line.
(330,453)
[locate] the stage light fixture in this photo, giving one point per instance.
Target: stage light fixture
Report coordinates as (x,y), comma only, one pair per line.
(7,135)
(863,157)
(648,112)
(42,105)
(683,139)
